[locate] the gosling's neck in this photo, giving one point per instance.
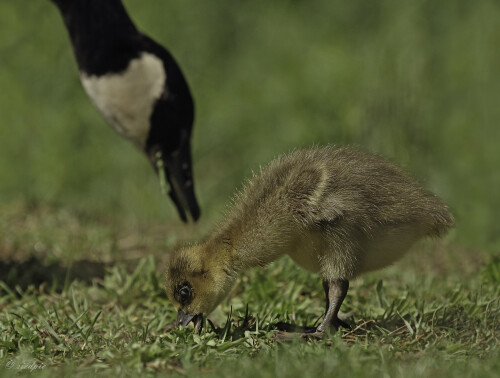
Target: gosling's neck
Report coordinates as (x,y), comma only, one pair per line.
(244,245)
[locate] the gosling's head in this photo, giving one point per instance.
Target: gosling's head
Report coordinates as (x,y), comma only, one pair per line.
(196,281)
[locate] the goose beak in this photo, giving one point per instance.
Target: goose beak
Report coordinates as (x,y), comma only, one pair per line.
(176,168)
(184,319)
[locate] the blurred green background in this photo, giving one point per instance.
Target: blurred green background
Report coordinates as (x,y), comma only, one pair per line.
(417,81)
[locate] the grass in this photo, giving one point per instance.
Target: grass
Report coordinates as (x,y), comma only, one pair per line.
(84,229)
(411,319)
(405,324)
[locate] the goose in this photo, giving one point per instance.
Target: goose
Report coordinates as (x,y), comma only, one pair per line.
(139,89)
(336,211)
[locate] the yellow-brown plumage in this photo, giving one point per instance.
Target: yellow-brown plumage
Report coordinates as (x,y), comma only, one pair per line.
(337,212)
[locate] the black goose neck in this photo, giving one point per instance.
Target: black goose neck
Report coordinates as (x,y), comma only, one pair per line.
(97,28)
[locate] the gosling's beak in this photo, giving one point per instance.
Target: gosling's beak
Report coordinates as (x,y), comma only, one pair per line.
(184,319)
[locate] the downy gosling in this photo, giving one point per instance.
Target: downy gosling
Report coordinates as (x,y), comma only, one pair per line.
(337,212)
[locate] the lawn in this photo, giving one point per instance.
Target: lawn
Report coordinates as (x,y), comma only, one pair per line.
(85,231)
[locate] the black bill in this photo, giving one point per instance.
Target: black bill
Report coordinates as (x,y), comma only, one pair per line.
(179,175)
(184,319)
(175,167)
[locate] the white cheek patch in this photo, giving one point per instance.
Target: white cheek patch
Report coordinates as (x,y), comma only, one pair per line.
(126,99)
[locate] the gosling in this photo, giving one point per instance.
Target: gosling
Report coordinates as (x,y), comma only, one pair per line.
(337,212)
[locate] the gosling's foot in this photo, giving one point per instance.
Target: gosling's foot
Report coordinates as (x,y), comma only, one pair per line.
(289,332)
(333,325)
(293,328)
(339,323)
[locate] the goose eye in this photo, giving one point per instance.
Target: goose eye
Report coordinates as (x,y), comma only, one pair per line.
(184,293)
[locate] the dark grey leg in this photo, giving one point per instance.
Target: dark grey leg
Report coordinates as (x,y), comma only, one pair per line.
(337,290)
(286,327)
(326,287)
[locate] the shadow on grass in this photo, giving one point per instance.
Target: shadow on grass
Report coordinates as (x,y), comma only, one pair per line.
(36,272)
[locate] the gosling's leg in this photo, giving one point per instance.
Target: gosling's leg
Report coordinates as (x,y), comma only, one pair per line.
(335,292)
(326,287)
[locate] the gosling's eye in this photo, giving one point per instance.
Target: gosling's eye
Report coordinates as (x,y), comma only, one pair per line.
(184,293)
